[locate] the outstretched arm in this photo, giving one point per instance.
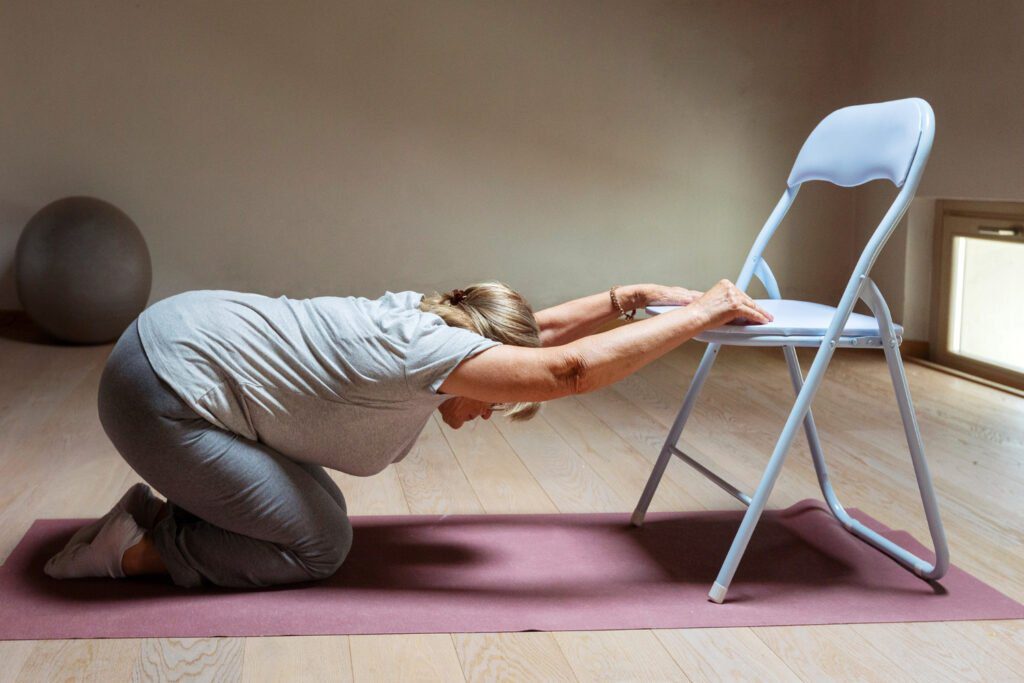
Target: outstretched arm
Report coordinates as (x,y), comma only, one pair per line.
(579,318)
(509,374)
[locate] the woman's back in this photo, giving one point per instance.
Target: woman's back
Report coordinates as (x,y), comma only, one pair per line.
(344,382)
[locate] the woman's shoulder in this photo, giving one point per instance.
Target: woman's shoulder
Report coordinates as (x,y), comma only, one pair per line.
(398,302)
(397,316)
(389,301)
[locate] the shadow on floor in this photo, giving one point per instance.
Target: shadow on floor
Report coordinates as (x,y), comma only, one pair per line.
(509,558)
(17,326)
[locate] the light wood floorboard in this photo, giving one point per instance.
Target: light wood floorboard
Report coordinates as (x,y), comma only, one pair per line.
(307,658)
(512,657)
(421,657)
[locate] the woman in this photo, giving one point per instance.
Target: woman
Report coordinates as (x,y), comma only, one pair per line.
(232,404)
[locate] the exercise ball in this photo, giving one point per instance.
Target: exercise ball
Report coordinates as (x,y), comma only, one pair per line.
(82,270)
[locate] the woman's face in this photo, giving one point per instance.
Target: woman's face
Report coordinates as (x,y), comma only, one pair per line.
(457,411)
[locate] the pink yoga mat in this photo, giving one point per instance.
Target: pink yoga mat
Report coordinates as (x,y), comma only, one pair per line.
(480,573)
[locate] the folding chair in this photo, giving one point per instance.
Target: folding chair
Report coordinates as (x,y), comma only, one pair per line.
(851,146)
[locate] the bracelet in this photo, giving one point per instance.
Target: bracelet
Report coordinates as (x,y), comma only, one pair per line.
(615,302)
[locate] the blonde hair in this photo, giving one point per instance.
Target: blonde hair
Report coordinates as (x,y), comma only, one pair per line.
(493,310)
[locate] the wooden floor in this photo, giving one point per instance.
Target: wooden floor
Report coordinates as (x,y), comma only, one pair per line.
(585,454)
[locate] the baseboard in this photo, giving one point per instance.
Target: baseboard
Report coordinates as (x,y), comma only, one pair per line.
(914,348)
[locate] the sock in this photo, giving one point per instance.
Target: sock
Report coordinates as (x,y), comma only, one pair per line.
(141,504)
(138,501)
(102,556)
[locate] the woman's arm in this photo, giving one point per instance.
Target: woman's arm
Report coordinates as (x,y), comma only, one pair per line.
(578,318)
(508,374)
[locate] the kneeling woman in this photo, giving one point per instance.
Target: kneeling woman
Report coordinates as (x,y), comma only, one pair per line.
(231,405)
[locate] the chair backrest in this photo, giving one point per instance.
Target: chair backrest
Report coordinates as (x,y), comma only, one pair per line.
(867,142)
(851,146)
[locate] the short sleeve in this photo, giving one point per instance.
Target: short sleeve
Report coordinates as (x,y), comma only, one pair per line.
(435,350)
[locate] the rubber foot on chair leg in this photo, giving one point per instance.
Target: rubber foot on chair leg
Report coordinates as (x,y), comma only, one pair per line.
(717,593)
(637,519)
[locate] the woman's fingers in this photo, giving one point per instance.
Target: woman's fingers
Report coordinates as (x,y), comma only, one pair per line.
(674,296)
(765,315)
(748,304)
(755,314)
(745,315)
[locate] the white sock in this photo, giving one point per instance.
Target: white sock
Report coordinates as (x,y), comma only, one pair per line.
(100,557)
(138,501)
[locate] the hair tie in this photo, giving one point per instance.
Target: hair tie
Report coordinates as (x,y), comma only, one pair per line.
(456,296)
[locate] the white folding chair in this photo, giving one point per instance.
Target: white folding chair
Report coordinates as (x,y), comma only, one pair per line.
(851,146)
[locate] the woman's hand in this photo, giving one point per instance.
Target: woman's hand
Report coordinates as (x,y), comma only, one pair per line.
(662,295)
(726,303)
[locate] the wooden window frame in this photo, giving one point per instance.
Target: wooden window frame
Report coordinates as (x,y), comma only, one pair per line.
(960,218)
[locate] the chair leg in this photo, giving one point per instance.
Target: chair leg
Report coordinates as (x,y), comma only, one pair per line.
(891,345)
(914,443)
(923,475)
(771,473)
(813,442)
(674,433)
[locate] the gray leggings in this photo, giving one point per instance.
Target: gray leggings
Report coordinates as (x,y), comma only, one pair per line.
(241,514)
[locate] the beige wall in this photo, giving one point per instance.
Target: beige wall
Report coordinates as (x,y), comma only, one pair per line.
(313,148)
(310,148)
(967,60)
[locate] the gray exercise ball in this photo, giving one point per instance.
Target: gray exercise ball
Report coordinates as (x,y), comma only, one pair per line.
(82,270)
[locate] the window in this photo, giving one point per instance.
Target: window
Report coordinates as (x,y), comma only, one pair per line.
(980,290)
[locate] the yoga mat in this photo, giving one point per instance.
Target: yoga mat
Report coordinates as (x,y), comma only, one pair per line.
(480,573)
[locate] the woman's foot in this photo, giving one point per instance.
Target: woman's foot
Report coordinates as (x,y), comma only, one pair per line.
(138,501)
(103,555)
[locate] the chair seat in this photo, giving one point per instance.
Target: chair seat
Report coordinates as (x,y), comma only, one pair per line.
(802,319)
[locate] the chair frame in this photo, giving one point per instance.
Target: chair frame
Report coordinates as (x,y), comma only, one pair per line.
(859,287)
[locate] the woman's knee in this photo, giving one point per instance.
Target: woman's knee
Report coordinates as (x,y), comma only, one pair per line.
(321,477)
(325,551)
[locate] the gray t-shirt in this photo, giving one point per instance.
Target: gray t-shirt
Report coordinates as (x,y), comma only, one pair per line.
(344,382)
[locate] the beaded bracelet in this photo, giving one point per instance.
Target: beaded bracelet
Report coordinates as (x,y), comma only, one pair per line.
(615,302)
